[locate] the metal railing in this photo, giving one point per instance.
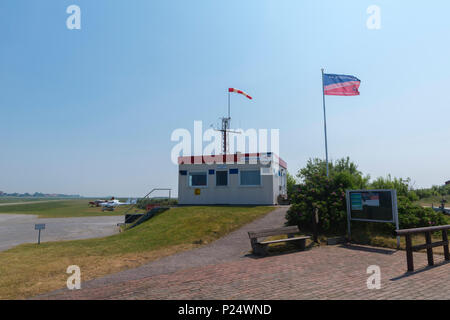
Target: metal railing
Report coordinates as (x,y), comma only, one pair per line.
(147,195)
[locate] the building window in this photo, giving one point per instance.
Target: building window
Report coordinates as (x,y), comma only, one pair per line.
(221,178)
(198,179)
(250,177)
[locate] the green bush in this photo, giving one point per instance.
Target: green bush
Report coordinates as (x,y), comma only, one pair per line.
(327,194)
(290,185)
(411,215)
(443,190)
(142,203)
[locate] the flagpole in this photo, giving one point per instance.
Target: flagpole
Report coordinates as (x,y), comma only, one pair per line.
(228,104)
(227,125)
(324,120)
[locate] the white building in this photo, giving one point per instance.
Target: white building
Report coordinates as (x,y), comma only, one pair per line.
(233,179)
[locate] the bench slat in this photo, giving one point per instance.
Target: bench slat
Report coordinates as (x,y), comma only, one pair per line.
(285,240)
(273,232)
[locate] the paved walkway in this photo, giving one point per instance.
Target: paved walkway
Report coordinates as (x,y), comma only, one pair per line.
(16,229)
(329,272)
(234,246)
(225,270)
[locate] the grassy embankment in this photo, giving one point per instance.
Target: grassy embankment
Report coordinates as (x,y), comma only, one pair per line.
(61,209)
(434,200)
(29,269)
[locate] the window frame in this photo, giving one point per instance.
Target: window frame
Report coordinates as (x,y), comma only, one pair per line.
(228,178)
(190,180)
(250,185)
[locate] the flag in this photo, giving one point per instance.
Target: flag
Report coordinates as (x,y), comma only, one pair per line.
(340,85)
(240,92)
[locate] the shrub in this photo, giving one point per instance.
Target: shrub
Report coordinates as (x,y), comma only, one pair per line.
(290,184)
(327,194)
(411,215)
(142,203)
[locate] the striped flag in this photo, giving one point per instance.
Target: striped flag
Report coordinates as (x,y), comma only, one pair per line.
(340,85)
(240,92)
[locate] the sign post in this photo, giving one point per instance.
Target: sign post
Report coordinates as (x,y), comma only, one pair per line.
(372,206)
(39,227)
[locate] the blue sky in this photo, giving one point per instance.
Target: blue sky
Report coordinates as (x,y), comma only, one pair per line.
(91,111)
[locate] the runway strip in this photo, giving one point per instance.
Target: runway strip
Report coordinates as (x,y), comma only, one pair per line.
(16,229)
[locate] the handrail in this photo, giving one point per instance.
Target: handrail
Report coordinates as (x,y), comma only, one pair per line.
(429,245)
(422,230)
(148,194)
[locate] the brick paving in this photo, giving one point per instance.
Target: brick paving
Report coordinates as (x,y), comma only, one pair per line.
(327,272)
(225,270)
(233,246)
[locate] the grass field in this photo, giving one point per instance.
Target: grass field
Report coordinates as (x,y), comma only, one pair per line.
(61,209)
(435,200)
(29,269)
(24,200)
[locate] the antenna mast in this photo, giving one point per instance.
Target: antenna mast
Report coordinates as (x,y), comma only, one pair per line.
(225,130)
(225,134)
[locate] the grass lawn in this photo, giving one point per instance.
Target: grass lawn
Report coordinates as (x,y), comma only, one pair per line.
(29,269)
(363,236)
(435,200)
(61,209)
(24,200)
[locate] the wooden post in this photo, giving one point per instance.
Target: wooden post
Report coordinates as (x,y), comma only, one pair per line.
(446,251)
(315,219)
(429,248)
(429,245)
(409,253)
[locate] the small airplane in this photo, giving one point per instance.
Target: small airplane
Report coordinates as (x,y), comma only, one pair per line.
(96,203)
(110,205)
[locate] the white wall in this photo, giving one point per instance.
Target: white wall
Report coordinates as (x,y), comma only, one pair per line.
(233,194)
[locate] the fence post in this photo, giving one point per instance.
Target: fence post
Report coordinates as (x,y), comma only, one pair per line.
(409,253)
(315,219)
(446,251)
(429,248)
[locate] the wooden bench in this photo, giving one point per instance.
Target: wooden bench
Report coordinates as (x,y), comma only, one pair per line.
(260,247)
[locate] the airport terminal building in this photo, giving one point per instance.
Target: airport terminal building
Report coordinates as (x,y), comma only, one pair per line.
(232,179)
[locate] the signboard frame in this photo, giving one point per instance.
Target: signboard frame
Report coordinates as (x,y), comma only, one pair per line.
(394,210)
(39,226)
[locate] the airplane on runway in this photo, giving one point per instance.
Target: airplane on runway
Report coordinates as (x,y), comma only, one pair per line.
(96,203)
(110,205)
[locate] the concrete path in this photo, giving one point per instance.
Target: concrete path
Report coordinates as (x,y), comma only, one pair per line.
(16,229)
(234,246)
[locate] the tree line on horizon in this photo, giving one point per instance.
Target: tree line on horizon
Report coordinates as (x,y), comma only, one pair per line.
(38,195)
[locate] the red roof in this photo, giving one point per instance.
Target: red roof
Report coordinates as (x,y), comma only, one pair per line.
(227,158)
